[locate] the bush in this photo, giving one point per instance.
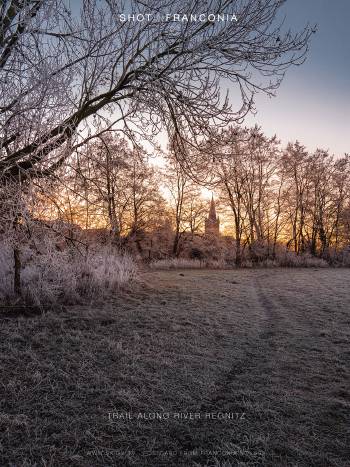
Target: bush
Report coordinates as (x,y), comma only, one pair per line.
(341,258)
(65,277)
(177,263)
(291,259)
(184,263)
(196,253)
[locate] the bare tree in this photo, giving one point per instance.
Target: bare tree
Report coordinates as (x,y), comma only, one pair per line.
(146,203)
(231,179)
(297,166)
(178,183)
(195,212)
(243,165)
(66,76)
(99,166)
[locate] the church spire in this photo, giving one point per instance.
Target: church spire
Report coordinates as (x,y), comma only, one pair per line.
(212,223)
(212,211)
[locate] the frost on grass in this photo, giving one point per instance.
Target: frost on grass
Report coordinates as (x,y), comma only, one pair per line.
(272,345)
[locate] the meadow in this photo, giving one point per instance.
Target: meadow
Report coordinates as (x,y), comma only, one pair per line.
(241,367)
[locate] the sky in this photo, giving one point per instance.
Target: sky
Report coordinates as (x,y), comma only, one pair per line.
(312,104)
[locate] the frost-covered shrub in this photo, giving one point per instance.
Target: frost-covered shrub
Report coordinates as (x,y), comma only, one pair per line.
(218,264)
(183,263)
(268,263)
(341,258)
(105,270)
(247,263)
(177,263)
(51,276)
(291,259)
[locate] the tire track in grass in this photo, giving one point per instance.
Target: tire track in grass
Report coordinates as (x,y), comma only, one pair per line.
(230,397)
(272,315)
(256,348)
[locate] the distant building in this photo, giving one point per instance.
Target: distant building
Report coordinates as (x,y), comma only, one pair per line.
(212,223)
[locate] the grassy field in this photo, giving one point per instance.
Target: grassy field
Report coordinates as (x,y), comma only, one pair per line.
(192,368)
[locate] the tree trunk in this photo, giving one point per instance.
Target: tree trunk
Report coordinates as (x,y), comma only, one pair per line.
(238,259)
(176,243)
(17,272)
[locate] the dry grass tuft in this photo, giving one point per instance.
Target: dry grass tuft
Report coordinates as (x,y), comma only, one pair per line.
(54,277)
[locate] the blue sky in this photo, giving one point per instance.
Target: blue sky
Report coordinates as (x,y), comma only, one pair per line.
(313,102)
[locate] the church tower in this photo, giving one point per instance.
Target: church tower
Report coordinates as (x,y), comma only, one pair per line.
(212,223)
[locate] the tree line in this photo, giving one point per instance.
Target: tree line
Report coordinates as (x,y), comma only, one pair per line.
(268,196)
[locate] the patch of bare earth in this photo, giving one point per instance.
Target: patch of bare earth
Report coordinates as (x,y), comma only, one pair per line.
(270,347)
